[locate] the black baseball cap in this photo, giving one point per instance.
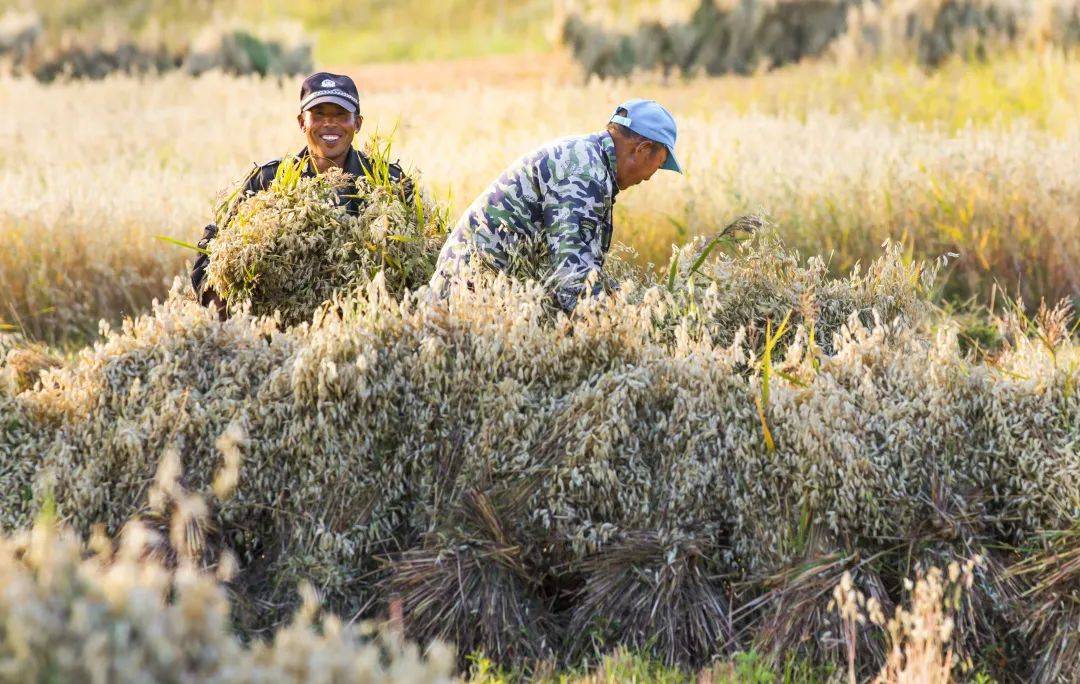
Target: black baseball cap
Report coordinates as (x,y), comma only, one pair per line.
(324,87)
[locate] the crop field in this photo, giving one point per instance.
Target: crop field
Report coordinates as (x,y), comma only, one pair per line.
(840,158)
(839,442)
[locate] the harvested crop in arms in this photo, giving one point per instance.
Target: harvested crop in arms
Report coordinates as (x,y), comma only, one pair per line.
(294,246)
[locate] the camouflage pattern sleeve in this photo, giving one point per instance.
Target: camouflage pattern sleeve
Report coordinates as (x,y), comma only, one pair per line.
(574,214)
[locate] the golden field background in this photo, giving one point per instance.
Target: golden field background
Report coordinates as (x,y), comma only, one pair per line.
(975,158)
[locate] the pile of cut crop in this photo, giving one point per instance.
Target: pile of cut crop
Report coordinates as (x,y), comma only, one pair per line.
(686,466)
(294,246)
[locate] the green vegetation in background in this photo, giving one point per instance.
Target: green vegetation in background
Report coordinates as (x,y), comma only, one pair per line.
(132,18)
(1038,87)
(379,31)
(344,32)
(135,14)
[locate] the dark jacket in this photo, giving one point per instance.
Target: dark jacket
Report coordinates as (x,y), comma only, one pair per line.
(357,164)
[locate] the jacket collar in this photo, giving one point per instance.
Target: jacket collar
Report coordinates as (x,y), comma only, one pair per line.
(607,145)
(353,164)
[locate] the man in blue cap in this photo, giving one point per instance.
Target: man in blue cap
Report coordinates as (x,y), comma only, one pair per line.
(553,208)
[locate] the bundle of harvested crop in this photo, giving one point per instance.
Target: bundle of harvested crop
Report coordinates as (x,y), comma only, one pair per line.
(295,245)
(1051,603)
(655,592)
(759,279)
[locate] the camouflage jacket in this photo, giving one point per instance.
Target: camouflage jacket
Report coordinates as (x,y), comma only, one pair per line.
(558,198)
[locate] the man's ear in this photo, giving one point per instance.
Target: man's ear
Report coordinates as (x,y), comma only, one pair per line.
(300,120)
(359,122)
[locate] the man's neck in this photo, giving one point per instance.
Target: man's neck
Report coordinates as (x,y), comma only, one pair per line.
(622,152)
(322,164)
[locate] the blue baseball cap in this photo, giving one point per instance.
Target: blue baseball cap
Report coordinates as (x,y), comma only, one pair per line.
(648,118)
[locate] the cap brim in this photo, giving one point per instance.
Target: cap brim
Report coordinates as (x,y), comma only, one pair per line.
(332,99)
(671,163)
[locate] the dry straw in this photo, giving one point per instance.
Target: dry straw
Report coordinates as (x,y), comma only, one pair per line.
(480,453)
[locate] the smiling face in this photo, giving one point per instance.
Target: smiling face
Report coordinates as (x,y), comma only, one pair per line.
(330,130)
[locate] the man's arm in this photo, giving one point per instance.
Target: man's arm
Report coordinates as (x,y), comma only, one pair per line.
(573,212)
(258,180)
(403,181)
(198,269)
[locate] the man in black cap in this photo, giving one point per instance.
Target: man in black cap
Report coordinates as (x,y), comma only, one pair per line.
(330,119)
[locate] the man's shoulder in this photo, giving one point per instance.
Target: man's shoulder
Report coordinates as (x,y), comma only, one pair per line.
(585,143)
(394,169)
(573,157)
(260,176)
(272,164)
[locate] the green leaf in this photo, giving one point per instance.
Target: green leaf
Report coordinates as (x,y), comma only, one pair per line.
(705,252)
(181,243)
(791,378)
(672,271)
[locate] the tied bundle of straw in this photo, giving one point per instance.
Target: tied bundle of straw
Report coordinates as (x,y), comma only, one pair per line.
(293,246)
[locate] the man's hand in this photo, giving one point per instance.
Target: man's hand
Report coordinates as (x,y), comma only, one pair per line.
(204,294)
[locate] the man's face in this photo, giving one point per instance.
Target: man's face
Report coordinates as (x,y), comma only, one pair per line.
(330,129)
(640,164)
